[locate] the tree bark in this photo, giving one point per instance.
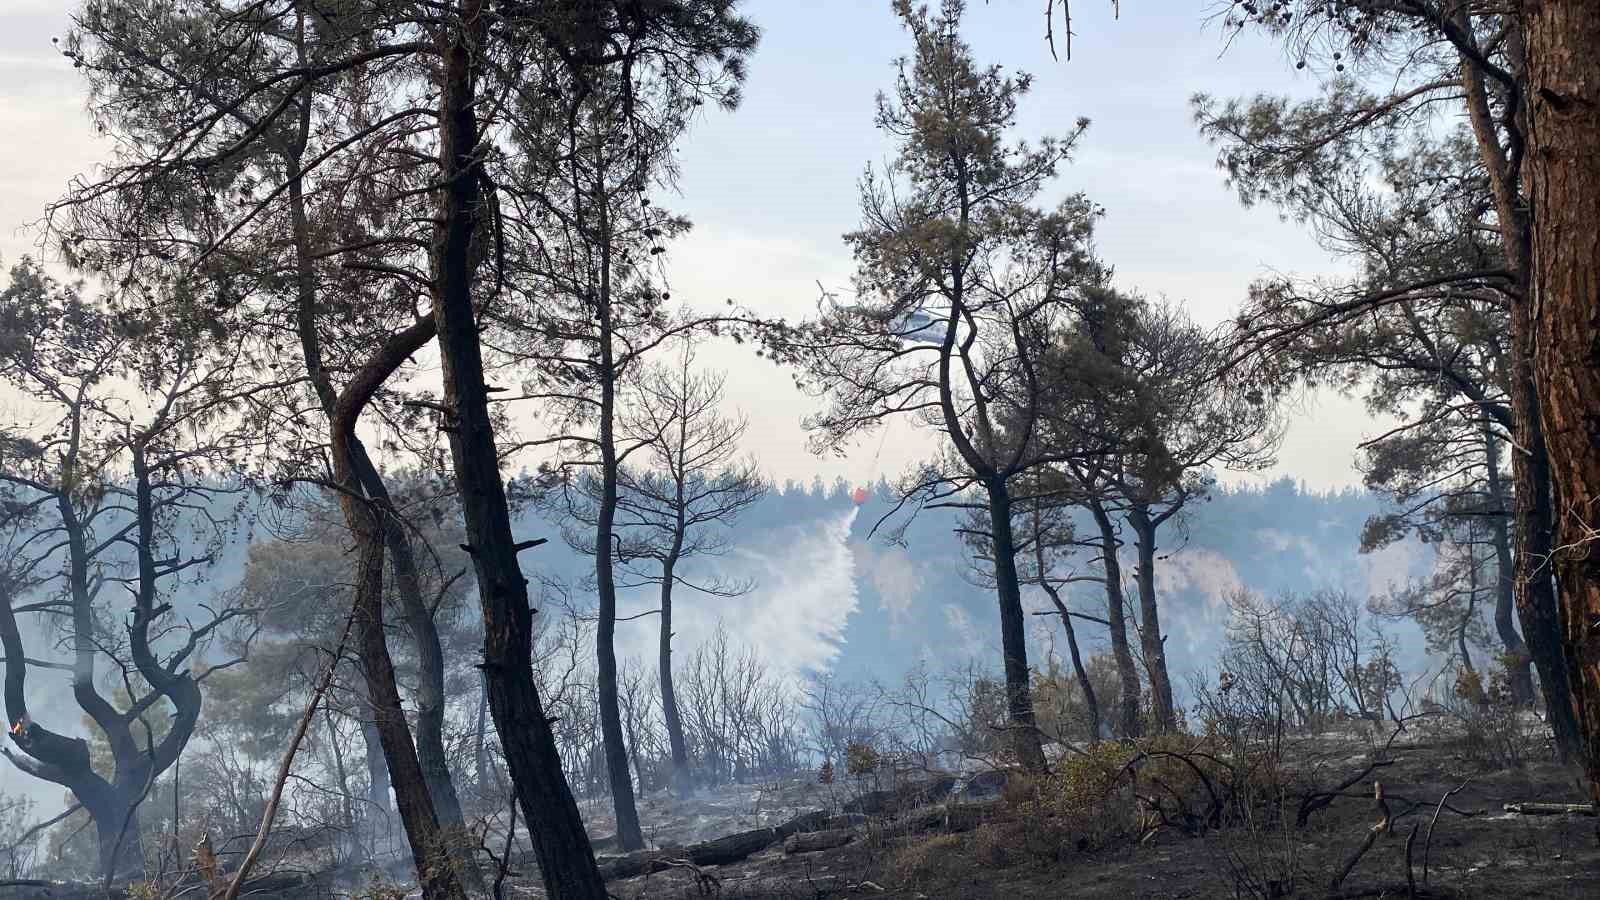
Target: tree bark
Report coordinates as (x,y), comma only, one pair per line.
(566,861)
(1151,640)
(1563,167)
(1536,591)
(1013,633)
(1127,669)
(1530,467)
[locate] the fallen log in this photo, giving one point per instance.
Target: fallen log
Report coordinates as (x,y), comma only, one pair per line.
(813,841)
(719,852)
(798,887)
(732,848)
(811,821)
(843,820)
(630,864)
(1551,809)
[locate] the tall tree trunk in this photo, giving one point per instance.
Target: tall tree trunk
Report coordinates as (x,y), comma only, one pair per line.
(1536,589)
(629,835)
(1013,632)
(1151,640)
(1116,617)
(1563,167)
(1518,662)
(682,778)
(430,697)
(566,861)
(430,848)
(1530,467)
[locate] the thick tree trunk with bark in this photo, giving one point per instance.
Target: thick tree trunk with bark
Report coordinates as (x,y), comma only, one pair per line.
(1536,590)
(566,861)
(1127,669)
(1013,632)
(682,778)
(1530,468)
(1563,168)
(1151,641)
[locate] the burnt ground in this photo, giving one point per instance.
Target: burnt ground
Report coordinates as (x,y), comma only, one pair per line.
(1017,841)
(1011,849)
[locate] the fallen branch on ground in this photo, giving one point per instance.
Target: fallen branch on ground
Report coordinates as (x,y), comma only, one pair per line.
(1551,809)
(1384,824)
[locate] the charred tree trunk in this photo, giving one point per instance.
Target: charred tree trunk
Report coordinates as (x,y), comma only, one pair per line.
(1563,167)
(430,697)
(430,846)
(682,777)
(480,753)
(566,861)
(1013,634)
(629,835)
(1518,661)
(1127,669)
(1151,640)
(116,828)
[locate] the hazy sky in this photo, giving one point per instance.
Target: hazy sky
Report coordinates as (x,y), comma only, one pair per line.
(772,186)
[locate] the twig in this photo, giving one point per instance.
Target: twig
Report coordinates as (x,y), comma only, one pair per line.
(1427,845)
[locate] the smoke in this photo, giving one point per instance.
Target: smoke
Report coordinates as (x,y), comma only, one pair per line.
(804,595)
(894,576)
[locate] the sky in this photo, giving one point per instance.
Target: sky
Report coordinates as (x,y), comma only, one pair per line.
(771,187)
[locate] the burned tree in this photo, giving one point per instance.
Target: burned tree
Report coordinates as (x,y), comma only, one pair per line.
(675,507)
(92,494)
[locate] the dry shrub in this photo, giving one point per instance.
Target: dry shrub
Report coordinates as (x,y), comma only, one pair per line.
(917,860)
(1482,724)
(861,759)
(999,845)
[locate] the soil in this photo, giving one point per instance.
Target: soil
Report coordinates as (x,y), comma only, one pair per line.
(1490,854)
